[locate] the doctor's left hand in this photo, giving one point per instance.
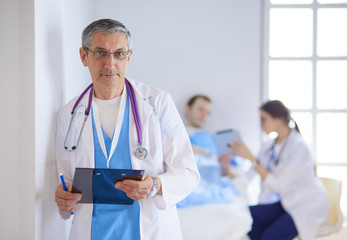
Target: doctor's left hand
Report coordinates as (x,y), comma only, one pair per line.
(136,190)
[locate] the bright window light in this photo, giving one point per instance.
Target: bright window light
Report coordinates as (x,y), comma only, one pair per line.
(290,32)
(332,41)
(331,137)
(331,1)
(305,66)
(291,83)
(332,84)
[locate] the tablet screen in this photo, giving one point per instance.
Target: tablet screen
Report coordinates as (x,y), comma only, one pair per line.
(223,138)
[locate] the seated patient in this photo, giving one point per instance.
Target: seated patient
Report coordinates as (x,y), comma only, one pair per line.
(215,209)
(213,187)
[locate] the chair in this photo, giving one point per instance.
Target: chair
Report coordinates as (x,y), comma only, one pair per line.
(335,220)
(334,223)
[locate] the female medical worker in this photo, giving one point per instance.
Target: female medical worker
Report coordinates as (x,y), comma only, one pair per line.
(169,161)
(293,200)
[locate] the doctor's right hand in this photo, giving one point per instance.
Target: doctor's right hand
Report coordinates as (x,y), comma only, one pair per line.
(66,201)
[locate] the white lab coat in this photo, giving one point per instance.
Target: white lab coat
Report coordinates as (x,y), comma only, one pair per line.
(169,157)
(302,193)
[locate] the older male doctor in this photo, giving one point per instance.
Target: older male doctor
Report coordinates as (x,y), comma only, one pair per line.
(110,138)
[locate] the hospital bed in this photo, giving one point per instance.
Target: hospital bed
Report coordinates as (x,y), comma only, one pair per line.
(229,221)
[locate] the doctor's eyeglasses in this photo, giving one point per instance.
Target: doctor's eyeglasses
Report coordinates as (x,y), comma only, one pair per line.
(120,54)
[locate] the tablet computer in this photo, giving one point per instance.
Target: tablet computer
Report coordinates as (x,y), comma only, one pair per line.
(223,138)
(97,184)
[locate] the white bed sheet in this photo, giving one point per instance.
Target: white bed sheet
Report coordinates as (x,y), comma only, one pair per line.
(229,221)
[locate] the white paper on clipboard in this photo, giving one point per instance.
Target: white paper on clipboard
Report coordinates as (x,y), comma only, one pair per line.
(223,138)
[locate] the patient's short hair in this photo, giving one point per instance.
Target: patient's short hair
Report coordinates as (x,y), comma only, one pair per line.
(194,98)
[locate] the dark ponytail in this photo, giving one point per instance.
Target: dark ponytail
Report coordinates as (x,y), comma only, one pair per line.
(296,127)
(277,109)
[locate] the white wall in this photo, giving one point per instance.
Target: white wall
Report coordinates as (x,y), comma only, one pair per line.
(187,47)
(49,80)
(76,76)
(17,122)
(31,63)
(184,47)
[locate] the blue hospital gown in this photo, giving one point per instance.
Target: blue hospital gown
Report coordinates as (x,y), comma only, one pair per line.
(213,187)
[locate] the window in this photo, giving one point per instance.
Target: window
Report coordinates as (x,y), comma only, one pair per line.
(305,66)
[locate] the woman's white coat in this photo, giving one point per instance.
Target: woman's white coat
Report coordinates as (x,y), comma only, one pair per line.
(170,158)
(302,193)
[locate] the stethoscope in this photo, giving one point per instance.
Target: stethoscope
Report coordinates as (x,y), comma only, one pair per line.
(273,158)
(140,151)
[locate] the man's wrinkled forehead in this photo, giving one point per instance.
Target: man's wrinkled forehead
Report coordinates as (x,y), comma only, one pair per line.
(101,39)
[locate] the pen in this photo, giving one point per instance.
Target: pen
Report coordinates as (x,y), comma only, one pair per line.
(64,186)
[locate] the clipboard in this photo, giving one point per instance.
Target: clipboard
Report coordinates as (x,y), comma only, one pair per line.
(97,185)
(223,138)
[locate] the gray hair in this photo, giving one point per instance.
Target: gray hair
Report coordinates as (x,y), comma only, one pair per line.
(104,25)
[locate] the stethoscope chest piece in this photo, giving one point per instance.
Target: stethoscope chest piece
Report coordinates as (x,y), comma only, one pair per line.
(141,152)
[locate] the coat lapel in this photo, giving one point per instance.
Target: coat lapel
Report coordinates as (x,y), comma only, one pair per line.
(88,141)
(144,111)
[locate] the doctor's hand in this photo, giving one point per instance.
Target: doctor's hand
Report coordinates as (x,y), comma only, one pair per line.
(66,201)
(238,148)
(137,190)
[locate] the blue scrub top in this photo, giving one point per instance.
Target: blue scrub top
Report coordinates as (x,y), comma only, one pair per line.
(112,221)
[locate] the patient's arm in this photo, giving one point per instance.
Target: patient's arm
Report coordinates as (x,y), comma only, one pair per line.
(202,151)
(224,160)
